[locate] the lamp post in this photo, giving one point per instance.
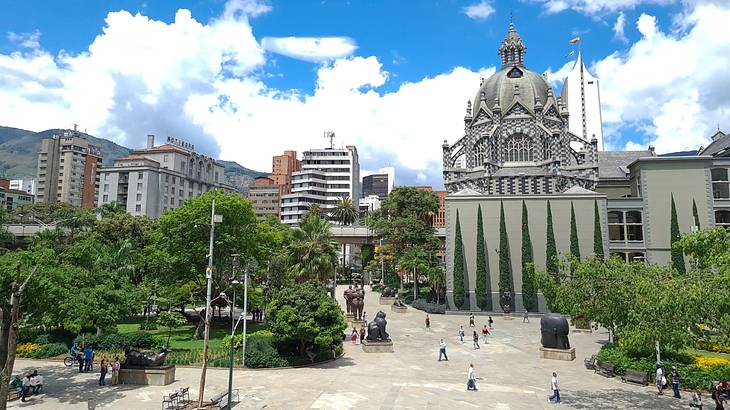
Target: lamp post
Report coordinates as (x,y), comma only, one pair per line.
(230,364)
(251,266)
(382,262)
(235,263)
(209,276)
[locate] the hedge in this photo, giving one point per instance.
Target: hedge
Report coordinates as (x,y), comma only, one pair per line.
(118,341)
(421,304)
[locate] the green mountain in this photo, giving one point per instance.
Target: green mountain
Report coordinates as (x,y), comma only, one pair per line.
(19,156)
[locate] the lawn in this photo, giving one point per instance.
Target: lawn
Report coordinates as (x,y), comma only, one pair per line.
(698,352)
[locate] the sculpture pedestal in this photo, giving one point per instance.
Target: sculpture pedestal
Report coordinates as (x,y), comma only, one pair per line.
(399,309)
(369,346)
(557,354)
(147,376)
(582,330)
(349,316)
(356,323)
(386,300)
(507,316)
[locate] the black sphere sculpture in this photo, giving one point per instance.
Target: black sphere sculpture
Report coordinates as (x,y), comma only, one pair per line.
(387,292)
(554,328)
(135,358)
(376,328)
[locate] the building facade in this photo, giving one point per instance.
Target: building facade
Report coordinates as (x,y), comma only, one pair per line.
(10,198)
(265,197)
(26,185)
(150,181)
(327,176)
(68,170)
(582,94)
(282,167)
(376,184)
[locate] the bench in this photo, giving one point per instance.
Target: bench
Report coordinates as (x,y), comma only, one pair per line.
(590,362)
(221,399)
(635,376)
(605,369)
(170,401)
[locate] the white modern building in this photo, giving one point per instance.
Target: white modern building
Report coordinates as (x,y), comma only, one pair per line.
(582,95)
(327,176)
(150,181)
(27,185)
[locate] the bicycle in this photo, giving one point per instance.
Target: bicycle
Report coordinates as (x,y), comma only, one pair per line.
(70,361)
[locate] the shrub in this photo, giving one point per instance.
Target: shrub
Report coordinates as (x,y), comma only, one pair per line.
(43,339)
(118,341)
(50,350)
(712,346)
(705,362)
(27,349)
(392,280)
(421,304)
(148,325)
(377,287)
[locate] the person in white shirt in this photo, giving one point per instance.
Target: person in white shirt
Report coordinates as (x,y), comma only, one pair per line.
(442,350)
(471,383)
(660,379)
(554,388)
(36,382)
(461,334)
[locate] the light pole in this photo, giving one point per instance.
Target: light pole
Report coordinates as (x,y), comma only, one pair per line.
(209,276)
(236,263)
(382,263)
(230,364)
(251,266)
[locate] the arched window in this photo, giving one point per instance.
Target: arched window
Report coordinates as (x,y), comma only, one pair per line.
(519,148)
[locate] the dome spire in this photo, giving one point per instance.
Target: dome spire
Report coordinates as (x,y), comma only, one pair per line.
(512,51)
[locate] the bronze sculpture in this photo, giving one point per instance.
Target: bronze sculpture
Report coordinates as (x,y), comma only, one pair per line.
(358,302)
(348,299)
(387,292)
(554,328)
(136,358)
(397,302)
(376,329)
(506,301)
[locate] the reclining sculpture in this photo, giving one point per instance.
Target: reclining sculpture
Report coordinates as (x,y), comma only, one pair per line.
(136,358)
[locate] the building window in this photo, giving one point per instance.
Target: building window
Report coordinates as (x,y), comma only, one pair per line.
(138,208)
(167,178)
(720,187)
(625,226)
(139,186)
(106,187)
(518,148)
(139,197)
(722,218)
(105,198)
(164,158)
(139,175)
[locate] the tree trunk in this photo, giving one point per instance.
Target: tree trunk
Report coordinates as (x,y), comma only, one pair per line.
(98,330)
(4,334)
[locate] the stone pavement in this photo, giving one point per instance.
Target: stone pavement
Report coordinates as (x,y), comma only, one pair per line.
(510,375)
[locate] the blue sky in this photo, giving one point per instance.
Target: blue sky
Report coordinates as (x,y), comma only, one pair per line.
(388,76)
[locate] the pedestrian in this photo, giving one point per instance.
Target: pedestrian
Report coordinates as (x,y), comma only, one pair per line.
(461,334)
(103,368)
(491,323)
(115,371)
(80,360)
(26,388)
(471,319)
(660,379)
(525,317)
(674,376)
(442,350)
(717,398)
(354,335)
(362,334)
(36,382)
(476,340)
(554,388)
(428,321)
(88,357)
(471,381)
(365,317)
(485,333)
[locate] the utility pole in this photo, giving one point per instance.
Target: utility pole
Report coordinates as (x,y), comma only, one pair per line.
(209,276)
(382,263)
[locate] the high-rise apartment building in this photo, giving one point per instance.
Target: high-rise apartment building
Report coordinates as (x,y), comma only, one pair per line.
(153,180)
(68,170)
(327,176)
(282,167)
(265,196)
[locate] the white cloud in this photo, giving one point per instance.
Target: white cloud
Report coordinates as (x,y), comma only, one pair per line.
(556,78)
(673,86)
(479,11)
(310,48)
(618,28)
(593,7)
(27,40)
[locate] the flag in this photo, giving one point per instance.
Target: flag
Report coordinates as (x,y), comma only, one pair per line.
(575,40)
(570,54)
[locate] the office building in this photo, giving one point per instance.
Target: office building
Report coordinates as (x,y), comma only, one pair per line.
(153,180)
(68,167)
(27,185)
(265,196)
(282,167)
(376,184)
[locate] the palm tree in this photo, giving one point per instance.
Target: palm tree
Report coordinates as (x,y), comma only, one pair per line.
(314,210)
(345,212)
(312,253)
(113,207)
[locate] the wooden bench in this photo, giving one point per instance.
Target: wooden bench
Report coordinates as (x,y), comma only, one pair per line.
(605,369)
(221,399)
(590,362)
(635,376)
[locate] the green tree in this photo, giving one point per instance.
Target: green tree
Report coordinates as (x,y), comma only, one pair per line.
(574,247)
(551,259)
(414,261)
(110,208)
(529,292)
(695,215)
(312,252)
(171,320)
(505,263)
(483,288)
(597,233)
(677,256)
(314,210)
(306,315)
(459,267)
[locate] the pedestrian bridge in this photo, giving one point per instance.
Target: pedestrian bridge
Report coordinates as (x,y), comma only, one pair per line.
(23,231)
(359,234)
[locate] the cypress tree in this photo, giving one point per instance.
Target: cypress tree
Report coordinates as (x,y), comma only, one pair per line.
(597,233)
(551,262)
(677,257)
(459,291)
(695,214)
(574,248)
(529,294)
(505,267)
(484,288)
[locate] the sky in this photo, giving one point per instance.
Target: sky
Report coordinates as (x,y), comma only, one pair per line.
(247,79)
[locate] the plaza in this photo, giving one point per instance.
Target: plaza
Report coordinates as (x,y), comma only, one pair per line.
(509,374)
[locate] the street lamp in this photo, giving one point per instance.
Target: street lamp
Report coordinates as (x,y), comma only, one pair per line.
(251,266)
(236,264)
(230,364)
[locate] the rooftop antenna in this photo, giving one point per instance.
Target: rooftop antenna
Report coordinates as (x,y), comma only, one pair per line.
(331,136)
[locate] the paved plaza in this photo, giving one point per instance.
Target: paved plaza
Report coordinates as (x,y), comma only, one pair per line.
(510,375)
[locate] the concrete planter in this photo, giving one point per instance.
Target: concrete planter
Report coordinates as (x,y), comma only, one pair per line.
(147,376)
(557,354)
(398,309)
(386,300)
(377,347)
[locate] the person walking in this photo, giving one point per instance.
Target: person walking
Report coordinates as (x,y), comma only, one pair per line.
(554,388)
(428,322)
(362,334)
(442,350)
(471,381)
(476,340)
(365,317)
(103,368)
(491,323)
(80,360)
(674,376)
(526,317)
(471,319)
(115,371)
(354,335)
(461,334)
(88,357)
(485,333)
(660,379)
